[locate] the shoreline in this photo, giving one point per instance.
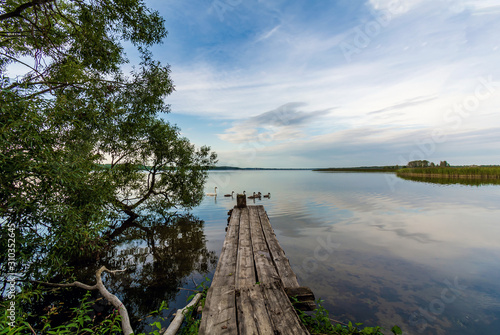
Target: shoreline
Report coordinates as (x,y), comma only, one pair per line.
(449,176)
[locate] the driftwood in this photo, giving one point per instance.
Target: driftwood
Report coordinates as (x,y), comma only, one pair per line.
(127,329)
(179,316)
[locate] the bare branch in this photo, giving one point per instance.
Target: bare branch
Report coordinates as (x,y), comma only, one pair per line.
(73,284)
(127,329)
(179,316)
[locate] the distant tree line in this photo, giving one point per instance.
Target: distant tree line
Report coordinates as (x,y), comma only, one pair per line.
(426,163)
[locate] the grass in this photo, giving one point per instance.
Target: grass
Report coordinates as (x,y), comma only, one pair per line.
(473,172)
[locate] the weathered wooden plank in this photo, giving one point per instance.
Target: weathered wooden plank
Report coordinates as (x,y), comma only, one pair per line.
(304,298)
(302,293)
(280,310)
(266,271)
(278,256)
(252,312)
(235,304)
(226,267)
(219,313)
(245,269)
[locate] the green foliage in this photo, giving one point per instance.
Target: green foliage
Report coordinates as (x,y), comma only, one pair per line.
(396,330)
(68,110)
(156,326)
(320,323)
(192,320)
(81,321)
(73,110)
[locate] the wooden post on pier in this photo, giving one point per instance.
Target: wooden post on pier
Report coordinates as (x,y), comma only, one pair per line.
(241,201)
(249,290)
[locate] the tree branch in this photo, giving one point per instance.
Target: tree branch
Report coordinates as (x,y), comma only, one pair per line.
(127,329)
(150,190)
(46,90)
(17,12)
(179,316)
(17,60)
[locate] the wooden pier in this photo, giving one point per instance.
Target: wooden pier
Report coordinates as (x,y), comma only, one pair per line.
(253,281)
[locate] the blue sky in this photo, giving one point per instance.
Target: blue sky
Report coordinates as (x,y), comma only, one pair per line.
(279,83)
(335,83)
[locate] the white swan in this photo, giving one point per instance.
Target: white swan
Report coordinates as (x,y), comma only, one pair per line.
(213,194)
(229,195)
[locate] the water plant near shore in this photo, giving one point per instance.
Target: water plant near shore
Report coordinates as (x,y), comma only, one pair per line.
(472,172)
(320,323)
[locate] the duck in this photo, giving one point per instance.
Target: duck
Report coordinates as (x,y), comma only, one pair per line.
(268,195)
(252,196)
(229,195)
(213,194)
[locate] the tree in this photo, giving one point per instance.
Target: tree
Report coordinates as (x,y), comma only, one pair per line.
(71,111)
(419,163)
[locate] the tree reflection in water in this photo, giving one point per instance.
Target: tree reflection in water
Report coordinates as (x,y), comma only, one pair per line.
(159,257)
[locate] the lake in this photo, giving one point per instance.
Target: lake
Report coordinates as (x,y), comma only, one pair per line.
(377,249)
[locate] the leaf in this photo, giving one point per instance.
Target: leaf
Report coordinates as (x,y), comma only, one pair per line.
(396,330)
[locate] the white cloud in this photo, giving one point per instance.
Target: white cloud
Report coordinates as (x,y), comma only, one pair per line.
(427,59)
(395,7)
(280,124)
(268,34)
(399,7)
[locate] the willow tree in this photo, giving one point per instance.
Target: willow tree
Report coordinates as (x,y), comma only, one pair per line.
(84,147)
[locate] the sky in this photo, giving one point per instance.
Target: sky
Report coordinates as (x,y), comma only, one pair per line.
(335,83)
(340,83)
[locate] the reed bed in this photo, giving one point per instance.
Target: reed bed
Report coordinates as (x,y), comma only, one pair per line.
(473,172)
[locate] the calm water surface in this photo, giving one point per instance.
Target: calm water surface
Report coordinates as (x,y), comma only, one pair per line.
(377,249)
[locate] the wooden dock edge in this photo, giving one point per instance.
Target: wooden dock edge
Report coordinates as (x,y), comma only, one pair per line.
(236,302)
(305,299)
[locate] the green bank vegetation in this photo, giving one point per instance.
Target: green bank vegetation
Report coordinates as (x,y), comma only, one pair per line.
(450,172)
(425,169)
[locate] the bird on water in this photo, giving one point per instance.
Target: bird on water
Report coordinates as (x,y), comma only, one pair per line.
(213,194)
(254,196)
